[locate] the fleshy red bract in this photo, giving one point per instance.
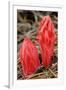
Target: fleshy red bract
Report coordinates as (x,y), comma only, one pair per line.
(46,38)
(29,57)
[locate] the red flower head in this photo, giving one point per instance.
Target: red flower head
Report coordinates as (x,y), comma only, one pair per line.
(46,38)
(29,57)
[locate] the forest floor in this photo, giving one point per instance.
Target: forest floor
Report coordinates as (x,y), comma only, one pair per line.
(27,25)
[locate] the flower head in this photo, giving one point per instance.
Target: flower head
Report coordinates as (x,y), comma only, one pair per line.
(46,38)
(29,57)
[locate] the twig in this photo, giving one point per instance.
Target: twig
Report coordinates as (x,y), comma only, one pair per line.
(53,73)
(19,17)
(34,75)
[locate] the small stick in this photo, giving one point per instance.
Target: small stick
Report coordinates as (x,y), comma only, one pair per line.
(53,73)
(34,75)
(53,65)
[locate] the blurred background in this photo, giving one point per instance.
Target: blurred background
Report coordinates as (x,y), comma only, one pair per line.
(27,25)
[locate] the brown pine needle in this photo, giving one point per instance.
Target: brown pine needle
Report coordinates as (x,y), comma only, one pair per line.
(34,75)
(53,73)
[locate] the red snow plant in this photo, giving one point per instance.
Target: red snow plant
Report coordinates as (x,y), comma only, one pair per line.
(29,57)
(46,37)
(28,52)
